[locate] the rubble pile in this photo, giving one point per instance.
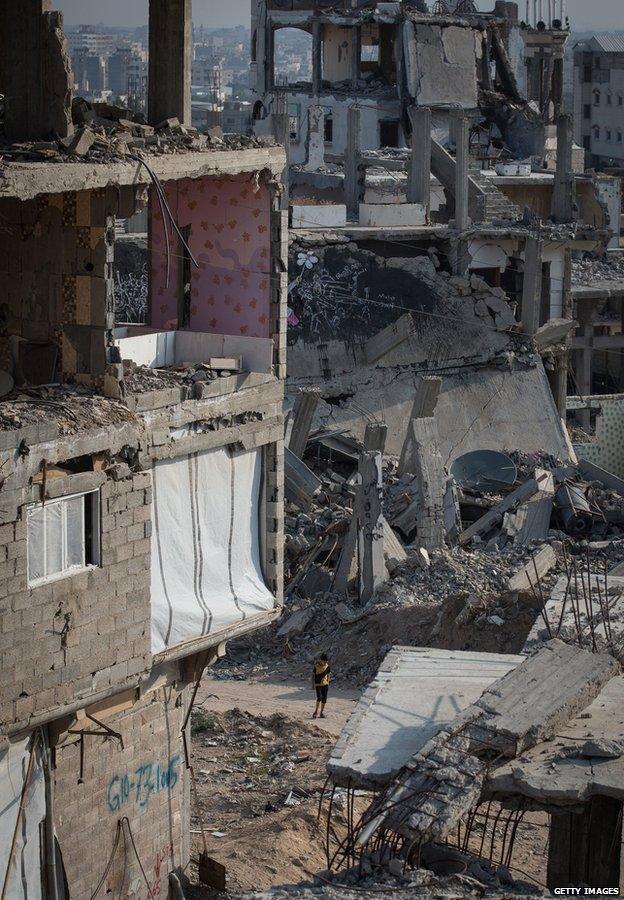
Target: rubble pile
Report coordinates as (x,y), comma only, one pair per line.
(139,379)
(590,268)
(105,133)
(71,408)
(476,879)
(505,550)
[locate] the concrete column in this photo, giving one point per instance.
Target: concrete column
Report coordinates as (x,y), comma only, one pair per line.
(584,848)
(356,51)
(351,164)
(315,140)
(35,71)
(375,436)
(303,414)
(563,193)
(532,285)
(372,566)
(269,55)
(280,126)
(170,43)
(317,57)
(585,357)
(419,172)
(461,173)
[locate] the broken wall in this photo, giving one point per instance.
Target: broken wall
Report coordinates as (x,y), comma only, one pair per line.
(441,64)
(56,276)
(344,294)
(145,781)
(228,222)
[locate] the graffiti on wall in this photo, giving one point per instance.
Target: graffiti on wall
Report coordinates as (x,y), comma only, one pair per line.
(137,788)
(342,290)
(227,222)
(159,876)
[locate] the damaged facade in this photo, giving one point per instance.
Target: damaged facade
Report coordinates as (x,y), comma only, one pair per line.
(142,465)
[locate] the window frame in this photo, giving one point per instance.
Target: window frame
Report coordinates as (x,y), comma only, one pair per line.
(91,545)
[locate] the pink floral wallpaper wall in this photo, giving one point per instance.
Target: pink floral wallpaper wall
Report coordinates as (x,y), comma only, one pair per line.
(230,239)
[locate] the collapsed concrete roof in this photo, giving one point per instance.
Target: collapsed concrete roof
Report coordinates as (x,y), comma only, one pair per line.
(447,777)
(417,691)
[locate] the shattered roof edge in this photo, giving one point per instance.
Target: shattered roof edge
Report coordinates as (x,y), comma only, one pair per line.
(27,180)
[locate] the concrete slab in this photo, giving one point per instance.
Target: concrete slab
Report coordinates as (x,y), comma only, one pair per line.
(555,772)
(417,691)
(562,620)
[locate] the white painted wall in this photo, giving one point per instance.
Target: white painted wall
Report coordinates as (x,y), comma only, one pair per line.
(371,111)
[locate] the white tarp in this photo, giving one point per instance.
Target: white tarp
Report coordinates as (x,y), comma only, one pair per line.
(25,872)
(206,566)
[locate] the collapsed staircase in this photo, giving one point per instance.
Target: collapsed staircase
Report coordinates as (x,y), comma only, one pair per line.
(495,206)
(487,204)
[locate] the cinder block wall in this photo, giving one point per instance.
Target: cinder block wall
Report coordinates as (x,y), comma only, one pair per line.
(84,634)
(146,782)
(56,276)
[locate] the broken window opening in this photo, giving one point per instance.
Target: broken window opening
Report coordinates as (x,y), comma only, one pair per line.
(389,133)
(294,121)
(292,56)
(63,537)
(369,49)
(328,128)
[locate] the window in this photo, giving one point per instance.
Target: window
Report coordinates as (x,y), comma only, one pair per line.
(63,537)
(619,137)
(607,134)
(329,128)
(620,100)
(389,133)
(596,130)
(609,100)
(587,111)
(587,74)
(587,142)
(294,114)
(596,98)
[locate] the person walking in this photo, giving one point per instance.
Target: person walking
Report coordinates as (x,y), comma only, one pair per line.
(320,680)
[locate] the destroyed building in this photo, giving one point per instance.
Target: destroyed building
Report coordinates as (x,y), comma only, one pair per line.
(437,202)
(142,464)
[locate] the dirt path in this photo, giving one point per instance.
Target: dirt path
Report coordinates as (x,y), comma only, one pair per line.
(259,761)
(264,698)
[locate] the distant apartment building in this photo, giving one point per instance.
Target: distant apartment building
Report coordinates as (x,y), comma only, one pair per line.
(125,64)
(89,70)
(206,73)
(87,37)
(599,98)
(236,117)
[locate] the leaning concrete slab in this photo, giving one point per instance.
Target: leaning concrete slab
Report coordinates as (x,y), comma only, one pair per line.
(568,607)
(527,706)
(416,692)
(558,772)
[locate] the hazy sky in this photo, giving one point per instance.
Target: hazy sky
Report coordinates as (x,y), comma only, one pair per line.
(584,15)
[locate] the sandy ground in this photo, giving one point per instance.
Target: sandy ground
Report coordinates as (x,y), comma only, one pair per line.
(259,761)
(264,697)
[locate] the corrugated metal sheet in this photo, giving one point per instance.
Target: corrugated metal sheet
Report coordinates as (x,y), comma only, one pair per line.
(610,43)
